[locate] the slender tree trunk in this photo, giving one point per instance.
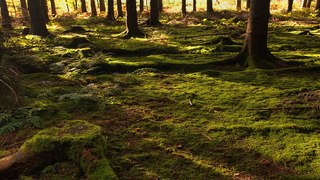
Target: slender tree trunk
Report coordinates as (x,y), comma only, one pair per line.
(132,20)
(75,5)
(6,19)
(24,9)
(67,5)
(102,6)
(304,4)
(184,7)
(248,4)
(141,6)
(110,16)
(93,8)
(38,23)
(238,5)
(119,8)
(160,5)
(290,4)
(309,3)
(209,6)
(255,53)
(44,7)
(317,8)
(194,7)
(83,6)
(53,8)
(154,13)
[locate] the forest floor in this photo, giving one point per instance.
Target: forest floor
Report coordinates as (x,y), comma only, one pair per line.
(167,114)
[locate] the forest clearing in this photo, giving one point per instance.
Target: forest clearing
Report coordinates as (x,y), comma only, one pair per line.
(165,91)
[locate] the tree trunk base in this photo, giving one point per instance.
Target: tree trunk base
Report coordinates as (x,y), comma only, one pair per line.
(153,23)
(129,34)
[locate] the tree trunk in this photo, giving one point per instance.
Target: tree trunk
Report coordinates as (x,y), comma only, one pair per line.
(309,3)
(154,13)
(53,8)
(255,53)
(110,16)
(93,8)
(248,4)
(184,7)
(102,6)
(38,23)
(132,20)
(24,9)
(194,7)
(6,19)
(304,4)
(83,6)
(160,5)
(209,6)
(290,4)
(238,5)
(44,7)
(75,5)
(317,6)
(141,6)
(119,8)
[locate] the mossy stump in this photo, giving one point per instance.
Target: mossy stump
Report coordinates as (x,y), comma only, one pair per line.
(77,142)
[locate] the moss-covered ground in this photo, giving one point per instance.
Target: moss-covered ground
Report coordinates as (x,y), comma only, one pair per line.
(165,112)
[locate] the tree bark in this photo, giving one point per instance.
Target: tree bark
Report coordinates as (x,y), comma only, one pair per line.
(119,8)
(110,16)
(255,53)
(24,9)
(38,23)
(102,6)
(290,4)
(154,13)
(309,3)
(184,7)
(238,5)
(194,7)
(6,19)
(132,21)
(53,8)
(83,6)
(209,6)
(93,8)
(304,4)
(141,6)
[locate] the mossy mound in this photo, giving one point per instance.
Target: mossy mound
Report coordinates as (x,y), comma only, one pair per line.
(77,142)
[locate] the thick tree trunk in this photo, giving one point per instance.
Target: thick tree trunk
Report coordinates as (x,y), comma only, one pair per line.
(83,6)
(154,13)
(238,5)
(160,6)
(102,6)
(255,53)
(290,4)
(38,23)
(132,20)
(119,8)
(194,7)
(110,16)
(184,7)
(248,4)
(93,8)
(53,8)
(209,6)
(24,9)
(309,3)
(141,6)
(304,4)
(6,19)
(317,8)
(44,7)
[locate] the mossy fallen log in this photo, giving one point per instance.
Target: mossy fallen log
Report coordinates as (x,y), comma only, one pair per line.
(77,141)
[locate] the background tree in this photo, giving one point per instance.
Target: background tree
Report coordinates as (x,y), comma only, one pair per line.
(209,6)
(132,29)
(38,23)
(194,7)
(238,5)
(304,4)
(24,9)
(154,13)
(83,6)
(44,7)
(102,6)
(53,8)
(255,53)
(248,4)
(6,19)
(290,4)
(184,7)
(309,3)
(141,6)
(119,8)
(110,16)
(317,8)
(93,8)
